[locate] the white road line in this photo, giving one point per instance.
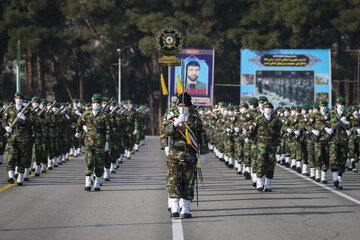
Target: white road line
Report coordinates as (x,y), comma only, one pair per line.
(177,229)
(322,185)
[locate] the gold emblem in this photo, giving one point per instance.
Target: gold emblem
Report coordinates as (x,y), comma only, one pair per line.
(169,42)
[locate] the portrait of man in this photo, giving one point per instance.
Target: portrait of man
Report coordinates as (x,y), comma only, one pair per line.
(196,83)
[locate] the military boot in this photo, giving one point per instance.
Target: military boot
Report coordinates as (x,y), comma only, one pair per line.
(87,183)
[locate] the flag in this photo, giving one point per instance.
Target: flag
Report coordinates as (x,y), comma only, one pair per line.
(163,85)
(179,86)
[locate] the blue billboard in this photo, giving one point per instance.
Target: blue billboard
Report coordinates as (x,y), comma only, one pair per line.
(286,76)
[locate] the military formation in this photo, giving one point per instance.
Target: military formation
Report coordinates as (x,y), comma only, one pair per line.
(41,135)
(313,140)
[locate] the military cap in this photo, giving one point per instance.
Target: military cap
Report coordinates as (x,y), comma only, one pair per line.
(57,105)
(27,98)
(231,107)
(340,99)
(323,101)
(292,107)
(19,94)
(36,99)
(187,99)
(298,108)
(76,100)
(236,107)
(306,106)
(287,108)
(43,100)
(316,104)
(263,98)
(244,104)
(114,102)
(222,103)
(96,97)
(130,101)
(253,100)
(267,103)
(105,99)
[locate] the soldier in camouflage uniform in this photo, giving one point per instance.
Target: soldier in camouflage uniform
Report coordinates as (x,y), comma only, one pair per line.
(20,138)
(338,142)
(2,132)
(354,140)
(266,128)
(239,138)
(97,135)
(75,113)
(229,138)
(183,157)
(132,128)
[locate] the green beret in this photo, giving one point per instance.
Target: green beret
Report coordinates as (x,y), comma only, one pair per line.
(306,106)
(114,102)
(340,99)
(36,99)
(105,99)
(323,102)
(316,104)
(287,108)
(267,103)
(292,107)
(76,100)
(253,100)
(19,94)
(96,97)
(244,104)
(57,105)
(263,98)
(27,98)
(222,103)
(298,108)
(230,108)
(43,100)
(236,107)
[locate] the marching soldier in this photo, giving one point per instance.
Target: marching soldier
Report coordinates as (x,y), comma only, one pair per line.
(183,156)
(95,124)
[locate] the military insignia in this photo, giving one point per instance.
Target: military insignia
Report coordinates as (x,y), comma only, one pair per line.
(10,119)
(325,117)
(169,42)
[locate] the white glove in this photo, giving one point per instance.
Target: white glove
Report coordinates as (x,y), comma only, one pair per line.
(135,132)
(67,116)
(329,131)
(167,151)
(8,129)
(77,112)
(247,140)
(202,158)
(315,132)
(106,146)
(180,119)
(289,130)
(348,132)
(228,130)
(343,119)
(21,116)
(297,132)
(244,132)
(237,129)
(85,128)
(77,135)
(358,130)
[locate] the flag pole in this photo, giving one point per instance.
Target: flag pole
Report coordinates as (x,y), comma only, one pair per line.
(18,80)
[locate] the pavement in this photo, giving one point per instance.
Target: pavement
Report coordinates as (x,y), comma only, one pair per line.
(133,205)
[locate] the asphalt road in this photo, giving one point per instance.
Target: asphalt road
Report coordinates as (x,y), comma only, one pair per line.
(133,205)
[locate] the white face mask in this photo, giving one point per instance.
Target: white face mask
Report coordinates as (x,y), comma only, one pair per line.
(261,105)
(340,108)
(231,113)
(225,112)
(303,112)
(323,109)
(47,107)
(356,114)
(96,106)
(18,101)
(24,104)
(242,110)
(293,113)
(41,106)
(103,105)
(286,113)
(112,108)
(251,107)
(183,110)
(314,110)
(35,105)
(268,110)
(79,104)
(55,109)
(310,111)
(75,105)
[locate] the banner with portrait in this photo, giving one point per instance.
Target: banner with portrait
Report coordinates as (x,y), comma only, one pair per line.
(199,75)
(286,76)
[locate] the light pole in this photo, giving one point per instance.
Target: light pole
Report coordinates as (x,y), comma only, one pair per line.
(119,74)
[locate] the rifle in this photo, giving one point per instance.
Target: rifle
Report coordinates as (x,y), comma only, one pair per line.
(4,110)
(62,111)
(7,135)
(116,107)
(107,104)
(338,125)
(45,109)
